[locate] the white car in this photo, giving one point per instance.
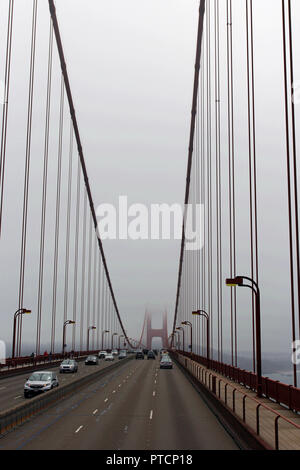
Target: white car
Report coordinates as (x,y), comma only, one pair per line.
(114,352)
(68,365)
(40,381)
(102,354)
(109,357)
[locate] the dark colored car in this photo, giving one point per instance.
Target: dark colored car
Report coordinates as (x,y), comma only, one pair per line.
(145,351)
(150,355)
(91,361)
(139,355)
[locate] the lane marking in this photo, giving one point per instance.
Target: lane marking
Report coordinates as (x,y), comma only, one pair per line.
(154,393)
(95,412)
(151,414)
(79,429)
(20,396)
(106,400)
(114,391)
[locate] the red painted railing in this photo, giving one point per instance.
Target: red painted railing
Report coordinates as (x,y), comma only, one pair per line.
(279,392)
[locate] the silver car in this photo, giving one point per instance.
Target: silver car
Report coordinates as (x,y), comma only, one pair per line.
(39,382)
(68,365)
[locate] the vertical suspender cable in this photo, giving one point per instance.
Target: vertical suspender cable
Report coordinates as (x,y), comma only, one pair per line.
(5,104)
(291,162)
(57,216)
(76,254)
(27,170)
(44,194)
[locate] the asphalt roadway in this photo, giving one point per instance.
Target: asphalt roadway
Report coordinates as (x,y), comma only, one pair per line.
(135,407)
(12,388)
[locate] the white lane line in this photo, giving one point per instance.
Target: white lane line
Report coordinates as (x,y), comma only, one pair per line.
(120,385)
(155,381)
(95,412)
(106,400)
(20,396)
(151,414)
(154,393)
(114,391)
(79,429)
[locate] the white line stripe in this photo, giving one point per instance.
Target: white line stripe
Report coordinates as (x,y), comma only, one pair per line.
(106,400)
(151,414)
(154,393)
(95,412)
(79,429)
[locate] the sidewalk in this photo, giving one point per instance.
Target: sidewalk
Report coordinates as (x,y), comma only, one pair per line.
(262,416)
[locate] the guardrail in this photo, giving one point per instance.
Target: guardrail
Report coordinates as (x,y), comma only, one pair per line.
(281,393)
(14,417)
(248,405)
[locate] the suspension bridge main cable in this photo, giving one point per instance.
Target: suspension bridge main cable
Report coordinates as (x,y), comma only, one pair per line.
(191,147)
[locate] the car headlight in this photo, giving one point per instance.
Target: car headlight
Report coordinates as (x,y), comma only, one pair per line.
(27,385)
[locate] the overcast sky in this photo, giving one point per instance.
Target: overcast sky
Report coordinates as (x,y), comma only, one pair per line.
(131,66)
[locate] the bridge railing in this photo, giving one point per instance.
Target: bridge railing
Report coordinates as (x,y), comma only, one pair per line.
(281,393)
(270,426)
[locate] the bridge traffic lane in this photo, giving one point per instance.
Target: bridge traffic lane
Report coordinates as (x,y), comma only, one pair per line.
(71,421)
(181,419)
(12,388)
(137,407)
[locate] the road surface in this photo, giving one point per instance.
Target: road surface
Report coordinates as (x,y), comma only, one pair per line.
(135,407)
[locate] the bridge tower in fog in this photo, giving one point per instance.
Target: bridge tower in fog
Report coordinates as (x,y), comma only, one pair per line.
(157,332)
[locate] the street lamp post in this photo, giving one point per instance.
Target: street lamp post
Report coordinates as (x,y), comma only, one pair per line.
(68,322)
(112,340)
(177,338)
(88,336)
(182,329)
(20,311)
(188,323)
(203,313)
(238,281)
(103,333)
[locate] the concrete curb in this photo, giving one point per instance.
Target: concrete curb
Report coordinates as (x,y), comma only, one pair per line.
(18,415)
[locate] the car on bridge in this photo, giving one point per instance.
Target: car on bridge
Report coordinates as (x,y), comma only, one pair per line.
(151,355)
(114,352)
(102,354)
(68,365)
(91,361)
(109,357)
(122,355)
(40,382)
(139,355)
(166,362)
